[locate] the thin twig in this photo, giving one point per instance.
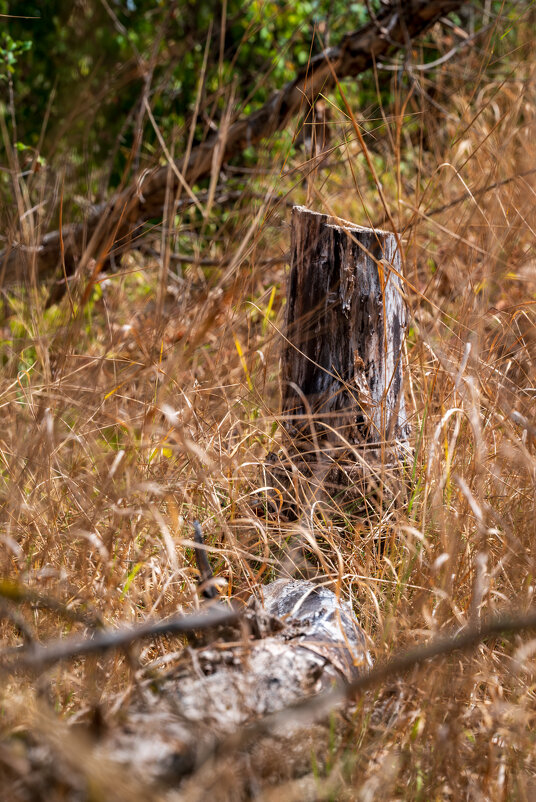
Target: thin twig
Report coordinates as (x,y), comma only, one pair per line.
(18,621)
(21,595)
(205,571)
(476,193)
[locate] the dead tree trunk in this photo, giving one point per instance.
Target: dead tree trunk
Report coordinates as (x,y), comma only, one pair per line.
(342,371)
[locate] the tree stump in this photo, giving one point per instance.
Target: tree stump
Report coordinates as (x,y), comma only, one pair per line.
(342,360)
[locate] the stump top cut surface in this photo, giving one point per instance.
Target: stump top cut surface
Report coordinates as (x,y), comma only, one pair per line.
(340,222)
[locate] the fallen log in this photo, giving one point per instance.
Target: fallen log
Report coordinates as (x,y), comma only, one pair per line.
(79,776)
(311,642)
(307,641)
(111,227)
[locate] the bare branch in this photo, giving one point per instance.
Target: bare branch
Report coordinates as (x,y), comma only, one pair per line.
(39,656)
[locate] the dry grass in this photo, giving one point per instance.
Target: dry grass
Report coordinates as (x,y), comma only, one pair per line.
(123,422)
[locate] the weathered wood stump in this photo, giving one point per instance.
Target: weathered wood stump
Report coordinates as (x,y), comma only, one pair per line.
(342,360)
(345,325)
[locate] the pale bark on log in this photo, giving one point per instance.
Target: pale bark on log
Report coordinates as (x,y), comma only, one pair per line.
(308,640)
(341,363)
(111,227)
(223,689)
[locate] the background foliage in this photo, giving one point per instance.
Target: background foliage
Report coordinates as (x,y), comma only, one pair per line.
(82,66)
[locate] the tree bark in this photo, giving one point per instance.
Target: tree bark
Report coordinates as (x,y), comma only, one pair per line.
(318,643)
(111,227)
(341,364)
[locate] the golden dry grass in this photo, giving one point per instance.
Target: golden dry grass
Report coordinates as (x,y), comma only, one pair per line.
(124,422)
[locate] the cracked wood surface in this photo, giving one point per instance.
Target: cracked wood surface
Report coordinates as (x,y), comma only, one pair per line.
(341,363)
(307,640)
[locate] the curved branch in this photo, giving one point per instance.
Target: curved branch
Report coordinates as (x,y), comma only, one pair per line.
(111,227)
